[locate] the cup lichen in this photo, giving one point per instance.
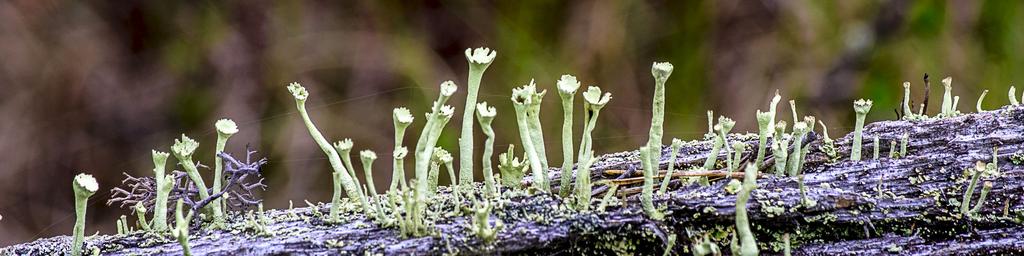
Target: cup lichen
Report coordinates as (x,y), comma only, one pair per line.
(84,186)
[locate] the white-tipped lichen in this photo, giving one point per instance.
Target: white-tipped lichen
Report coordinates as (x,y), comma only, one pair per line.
(485,115)
(479,59)
(861,107)
(183,149)
(344,148)
(402,118)
(980,100)
(780,148)
(367,157)
(1013,96)
(341,174)
(764,124)
(164,185)
(225,128)
(84,186)
(524,99)
(800,129)
(567,86)
(722,129)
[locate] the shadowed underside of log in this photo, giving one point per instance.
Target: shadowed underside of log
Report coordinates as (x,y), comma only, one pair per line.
(908,205)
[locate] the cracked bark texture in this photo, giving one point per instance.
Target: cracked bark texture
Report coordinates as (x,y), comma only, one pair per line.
(904,206)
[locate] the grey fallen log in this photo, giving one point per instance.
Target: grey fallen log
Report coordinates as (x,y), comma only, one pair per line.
(859,206)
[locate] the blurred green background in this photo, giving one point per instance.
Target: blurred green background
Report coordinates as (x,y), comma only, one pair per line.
(94,85)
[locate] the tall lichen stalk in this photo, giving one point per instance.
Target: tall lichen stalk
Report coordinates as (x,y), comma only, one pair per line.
(593,102)
(676,145)
(764,124)
(748,245)
(341,175)
(861,107)
(402,118)
(225,128)
(485,115)
(183,150)
(344,148)
(84,186)
(479,59)
(567,86)
(523,99)
(164,184)
(661,71)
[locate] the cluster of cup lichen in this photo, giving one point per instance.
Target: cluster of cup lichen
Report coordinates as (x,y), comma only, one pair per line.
(404,205)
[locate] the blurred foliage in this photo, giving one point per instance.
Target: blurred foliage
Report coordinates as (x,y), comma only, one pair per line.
(93,85)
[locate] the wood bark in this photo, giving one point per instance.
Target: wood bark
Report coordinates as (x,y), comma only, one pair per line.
(908,205)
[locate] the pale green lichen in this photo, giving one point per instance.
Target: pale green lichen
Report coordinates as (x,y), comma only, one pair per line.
(512,169)
(704,246)
(748,244)
(1013,96)
(609,197)
(567,86)
(980,100)
(676,145)
(341,174)
(800,130)
(661,72)
(903,144)
(402,118)
(84,186)
(723,128)
(523,99)
(828,145)
(344,148)
(479,59)
(764,124)
(780,148)
(140,215)
(892,149)
(180,231)
(367,157)
(647,196)
(738,147)
(583,187)
(949,102)
(876,148)
(980,171)
(481,227)
(183,149)
(164,185)
(225,128)
(861,107)
(485,116)
(593,102)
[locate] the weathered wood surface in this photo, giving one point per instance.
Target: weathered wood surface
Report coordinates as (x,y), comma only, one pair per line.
(902,206)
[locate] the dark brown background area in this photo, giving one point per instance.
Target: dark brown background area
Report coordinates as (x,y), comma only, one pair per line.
(93,86)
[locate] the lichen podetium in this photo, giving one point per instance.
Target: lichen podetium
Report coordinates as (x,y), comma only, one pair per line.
(84,186)
(748,244)
(479,59)
(567,86)
(861,107)
(343,178)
